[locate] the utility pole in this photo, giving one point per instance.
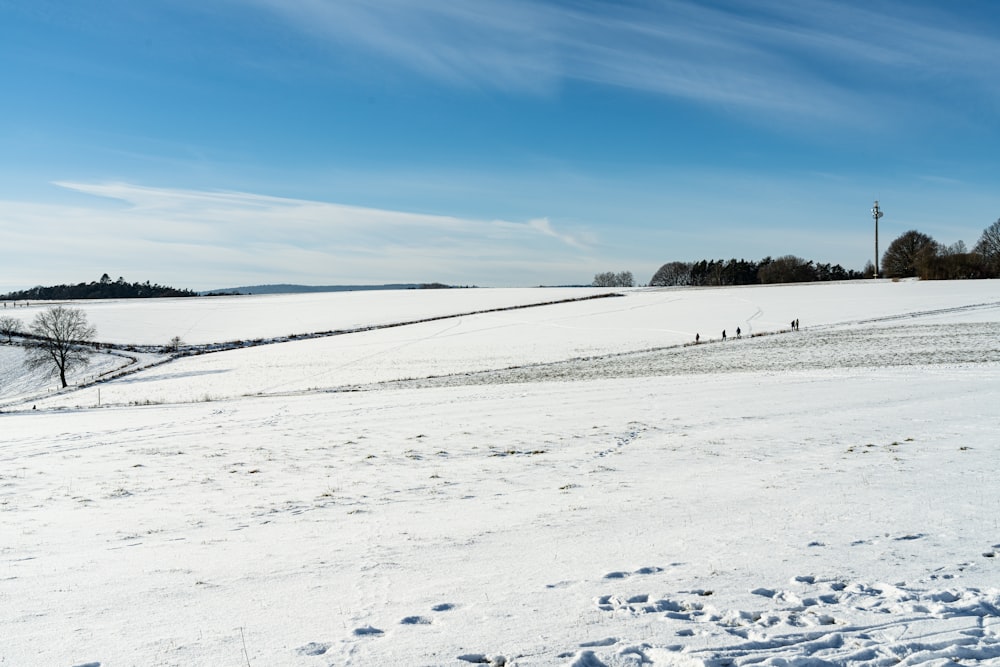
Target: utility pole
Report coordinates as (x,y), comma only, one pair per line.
(876,213)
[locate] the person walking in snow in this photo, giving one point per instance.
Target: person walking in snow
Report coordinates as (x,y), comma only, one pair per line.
(737,332)
(697,337)
(723,334)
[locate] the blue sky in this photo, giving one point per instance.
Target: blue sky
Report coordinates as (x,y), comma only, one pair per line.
(215,143)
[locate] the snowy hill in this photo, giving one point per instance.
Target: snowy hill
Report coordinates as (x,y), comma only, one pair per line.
(569,484)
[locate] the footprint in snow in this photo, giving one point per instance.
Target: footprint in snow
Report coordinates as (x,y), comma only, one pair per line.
(587,659)
(640,604)
(447,606)
(313,648)
(368,631)
(610,641)
(416,620)
(791,628)
(642,570)
(483,659)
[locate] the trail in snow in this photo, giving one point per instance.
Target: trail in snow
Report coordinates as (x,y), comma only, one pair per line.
(915,345)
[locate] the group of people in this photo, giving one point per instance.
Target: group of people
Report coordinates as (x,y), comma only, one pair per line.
(739,333)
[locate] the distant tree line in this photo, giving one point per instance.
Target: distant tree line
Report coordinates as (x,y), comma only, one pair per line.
(720,272)
(104,288)
(916,255)
(612,279)
(912,254)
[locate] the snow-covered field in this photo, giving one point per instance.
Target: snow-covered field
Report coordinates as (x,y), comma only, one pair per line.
(572,484)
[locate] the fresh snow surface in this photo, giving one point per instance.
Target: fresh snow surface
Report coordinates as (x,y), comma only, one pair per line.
(224,318)
(573,484)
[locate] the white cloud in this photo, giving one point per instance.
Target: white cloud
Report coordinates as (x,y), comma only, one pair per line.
(209,239)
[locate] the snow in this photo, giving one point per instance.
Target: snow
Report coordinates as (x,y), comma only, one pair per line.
(224,318)
(573,484)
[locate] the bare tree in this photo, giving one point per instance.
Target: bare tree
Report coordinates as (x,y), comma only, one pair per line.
(10,326)
(62,335)
(672,273)
(907,254)
(606,279)
(612,279)
(989,246)
(956,248)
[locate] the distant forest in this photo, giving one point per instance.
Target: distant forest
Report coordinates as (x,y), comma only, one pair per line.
(104,288)
(787,269)
(910,255)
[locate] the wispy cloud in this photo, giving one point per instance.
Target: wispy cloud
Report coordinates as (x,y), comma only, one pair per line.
(235,237)
(801,58)
(490,43)
(545,227)
(262,215)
